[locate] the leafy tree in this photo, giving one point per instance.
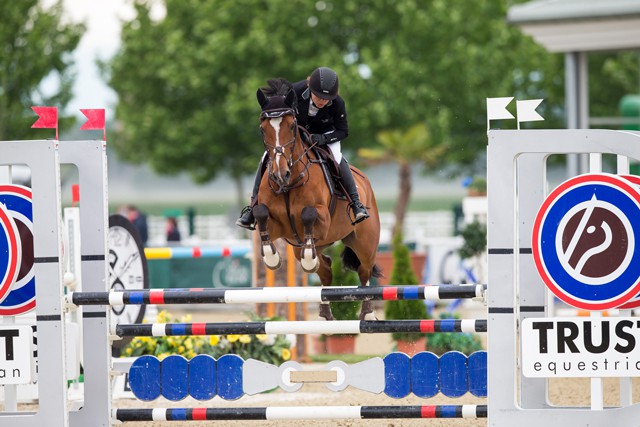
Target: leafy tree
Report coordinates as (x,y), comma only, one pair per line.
(401,275)
(186,82)
(611,76)
(34,44)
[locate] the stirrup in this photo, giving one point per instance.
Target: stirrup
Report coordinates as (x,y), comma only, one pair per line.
(359,212)
(246,219)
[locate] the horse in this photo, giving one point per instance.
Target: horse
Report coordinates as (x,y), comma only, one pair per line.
(294,199)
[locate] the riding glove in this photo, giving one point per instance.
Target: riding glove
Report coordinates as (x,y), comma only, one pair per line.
(319,139)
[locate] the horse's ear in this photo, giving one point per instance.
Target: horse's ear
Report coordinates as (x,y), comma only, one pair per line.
(262,98)
(290,99)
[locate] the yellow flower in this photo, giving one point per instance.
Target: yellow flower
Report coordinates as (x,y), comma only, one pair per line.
(163,356)
(262,337)
(128,351)
(245,339)
(181,349)
(233,338)
(214,340)
(286,354)
(186,319)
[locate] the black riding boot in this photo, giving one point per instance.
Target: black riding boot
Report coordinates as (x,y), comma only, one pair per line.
(246,219)
(359,211)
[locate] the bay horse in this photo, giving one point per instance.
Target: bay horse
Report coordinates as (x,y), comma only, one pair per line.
(294,200)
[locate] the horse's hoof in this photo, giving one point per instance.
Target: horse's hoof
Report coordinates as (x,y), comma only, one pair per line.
(272,262)
(310,266)
(309,262)
(369,316)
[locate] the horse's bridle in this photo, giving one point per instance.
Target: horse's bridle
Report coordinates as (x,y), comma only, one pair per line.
(297,182)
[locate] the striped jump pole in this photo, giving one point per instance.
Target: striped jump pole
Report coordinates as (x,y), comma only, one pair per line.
(301,413)
(301,327)
(183,252)
(279,294)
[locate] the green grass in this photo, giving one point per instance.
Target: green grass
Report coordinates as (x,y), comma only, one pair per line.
(346,358)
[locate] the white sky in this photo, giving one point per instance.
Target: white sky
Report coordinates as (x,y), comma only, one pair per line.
(100,41)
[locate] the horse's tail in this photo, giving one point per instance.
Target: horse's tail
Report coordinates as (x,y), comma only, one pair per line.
(350,261)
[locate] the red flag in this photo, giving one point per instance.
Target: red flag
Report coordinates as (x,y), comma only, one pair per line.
(95,120)
(47,118)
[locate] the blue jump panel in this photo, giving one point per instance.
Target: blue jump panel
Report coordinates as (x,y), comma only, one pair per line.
(397,374)
(144,378)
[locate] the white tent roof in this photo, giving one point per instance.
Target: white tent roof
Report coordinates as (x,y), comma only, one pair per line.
(580,25)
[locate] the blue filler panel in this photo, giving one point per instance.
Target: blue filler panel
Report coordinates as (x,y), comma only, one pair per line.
(454,377)
(175,378)
(397,375)
(144,378)
(203,382)
(425,370)
(230,377)
(477,363)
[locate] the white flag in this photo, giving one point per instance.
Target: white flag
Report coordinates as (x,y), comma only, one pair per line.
(497,108)
(526,110)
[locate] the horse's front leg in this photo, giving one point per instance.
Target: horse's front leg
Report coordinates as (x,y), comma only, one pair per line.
(308,255)
(270,255)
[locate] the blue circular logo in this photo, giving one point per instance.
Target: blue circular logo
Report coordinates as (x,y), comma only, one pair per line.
(584,241)
(18,203)
(9,252)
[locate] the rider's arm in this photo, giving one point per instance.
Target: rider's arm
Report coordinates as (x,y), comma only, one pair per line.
(340,123)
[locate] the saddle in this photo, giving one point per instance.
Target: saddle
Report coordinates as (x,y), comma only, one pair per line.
(330,170)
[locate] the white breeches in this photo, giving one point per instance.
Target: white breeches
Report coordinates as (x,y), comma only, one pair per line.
(335,150)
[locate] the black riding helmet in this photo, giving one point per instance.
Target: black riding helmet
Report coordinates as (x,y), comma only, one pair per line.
(324,83)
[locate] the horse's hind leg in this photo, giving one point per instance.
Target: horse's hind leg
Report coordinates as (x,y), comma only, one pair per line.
(270,255)
(366,311)
(326,277)
(361,259)
(308,256)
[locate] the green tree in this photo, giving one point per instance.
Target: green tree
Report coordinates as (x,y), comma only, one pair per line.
(34,44)
(401,275)
(187,82)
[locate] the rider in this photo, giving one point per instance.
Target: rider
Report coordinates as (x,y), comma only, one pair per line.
(322,112)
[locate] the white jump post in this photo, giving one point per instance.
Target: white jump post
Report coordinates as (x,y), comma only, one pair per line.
(44,157)
(517,186)
(41,156)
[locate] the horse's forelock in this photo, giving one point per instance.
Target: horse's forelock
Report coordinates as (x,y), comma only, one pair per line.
(277,91)
(277,86)
(276,103)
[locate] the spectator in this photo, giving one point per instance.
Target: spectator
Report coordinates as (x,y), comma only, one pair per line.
(139,221)
(173,234)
